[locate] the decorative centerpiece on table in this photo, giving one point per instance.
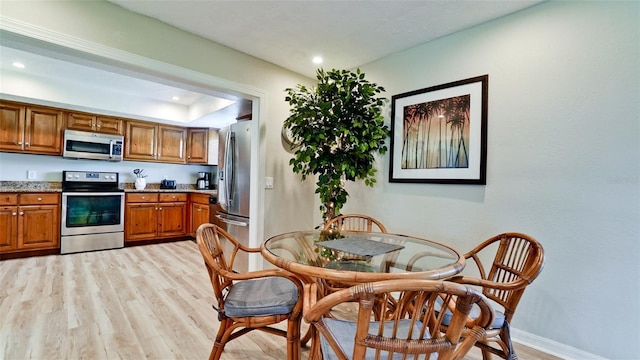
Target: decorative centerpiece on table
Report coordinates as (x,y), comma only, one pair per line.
(141,182)
(337,128)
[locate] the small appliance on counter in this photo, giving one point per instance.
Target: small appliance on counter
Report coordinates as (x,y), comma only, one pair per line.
(167,184)
(201,183)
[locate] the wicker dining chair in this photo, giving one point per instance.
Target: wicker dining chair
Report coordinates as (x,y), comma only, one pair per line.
(360,223)
(252,300)
(411,325)
(518,260)
(355,222)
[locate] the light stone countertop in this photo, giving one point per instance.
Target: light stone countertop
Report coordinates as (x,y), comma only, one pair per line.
(44,186)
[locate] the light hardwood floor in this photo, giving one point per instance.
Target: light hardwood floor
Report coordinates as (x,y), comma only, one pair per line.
(150,302)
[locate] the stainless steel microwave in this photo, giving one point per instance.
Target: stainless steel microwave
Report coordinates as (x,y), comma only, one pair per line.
(95,146)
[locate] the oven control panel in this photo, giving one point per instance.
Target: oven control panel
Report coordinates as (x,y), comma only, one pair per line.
(90,177)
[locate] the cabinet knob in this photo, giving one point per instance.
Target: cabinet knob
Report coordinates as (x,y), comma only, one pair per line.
(19,142)
(21,213)
(27,144)
(39,199)
(98,126)
(160,209)
(14,214)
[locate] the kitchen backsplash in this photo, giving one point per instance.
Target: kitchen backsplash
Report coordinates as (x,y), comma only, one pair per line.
(45,168)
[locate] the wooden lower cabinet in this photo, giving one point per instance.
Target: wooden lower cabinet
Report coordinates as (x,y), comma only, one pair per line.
(29,221)
(155,215)
(199,213)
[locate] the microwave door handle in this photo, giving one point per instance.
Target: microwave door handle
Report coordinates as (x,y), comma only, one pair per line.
(110,149)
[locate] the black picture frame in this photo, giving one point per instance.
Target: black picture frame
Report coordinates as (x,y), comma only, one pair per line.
(439,134)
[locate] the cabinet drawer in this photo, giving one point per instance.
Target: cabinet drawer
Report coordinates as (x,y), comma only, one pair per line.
(200,199)
(8,199)
(38,199)
(142,197)
(173,197)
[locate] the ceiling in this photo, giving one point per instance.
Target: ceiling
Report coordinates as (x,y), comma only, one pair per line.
(346,33)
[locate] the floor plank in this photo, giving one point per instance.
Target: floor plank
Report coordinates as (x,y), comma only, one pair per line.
(150,302)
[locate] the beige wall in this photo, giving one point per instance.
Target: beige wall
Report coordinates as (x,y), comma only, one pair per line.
(563,163)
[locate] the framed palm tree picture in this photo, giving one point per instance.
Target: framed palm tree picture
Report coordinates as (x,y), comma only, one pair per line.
(439,134)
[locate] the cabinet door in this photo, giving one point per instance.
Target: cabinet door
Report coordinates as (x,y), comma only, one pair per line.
(141,221)
(140,141)
(11,126)
(171,144)
(172,219)
(81,121)
(38,227)
(108,125)
(8,228)
(43,130)
(199,216)
(197,146)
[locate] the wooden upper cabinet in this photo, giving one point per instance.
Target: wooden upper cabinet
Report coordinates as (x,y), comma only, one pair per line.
(94,123)
(31,129)
(172,144)
(197,146)
(11,126)
(155,142)
(140,138)
(43,130)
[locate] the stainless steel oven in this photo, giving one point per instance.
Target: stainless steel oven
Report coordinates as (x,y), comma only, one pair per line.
(92,212)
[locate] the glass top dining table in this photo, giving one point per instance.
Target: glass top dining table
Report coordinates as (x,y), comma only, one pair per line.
(357,257)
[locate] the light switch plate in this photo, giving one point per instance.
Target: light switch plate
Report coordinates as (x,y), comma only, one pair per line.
(268,182)
(31,174)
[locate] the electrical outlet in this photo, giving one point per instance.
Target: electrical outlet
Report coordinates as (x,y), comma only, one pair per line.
(268,182)
(31,174)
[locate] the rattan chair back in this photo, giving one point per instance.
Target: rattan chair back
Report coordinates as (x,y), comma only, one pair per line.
(518,260)
(411,323)
(355,222)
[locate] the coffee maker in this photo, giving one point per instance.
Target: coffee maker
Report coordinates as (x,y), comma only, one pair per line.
(204,180)
(201,182)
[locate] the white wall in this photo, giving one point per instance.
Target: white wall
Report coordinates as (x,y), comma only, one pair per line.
(563,162)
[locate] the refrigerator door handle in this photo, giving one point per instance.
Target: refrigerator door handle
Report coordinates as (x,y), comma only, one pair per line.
(229,166)
(231,222)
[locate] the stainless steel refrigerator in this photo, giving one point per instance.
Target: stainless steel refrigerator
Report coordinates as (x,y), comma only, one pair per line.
(234,175)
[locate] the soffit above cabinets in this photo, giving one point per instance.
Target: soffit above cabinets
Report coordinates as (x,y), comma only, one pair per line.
(64,81)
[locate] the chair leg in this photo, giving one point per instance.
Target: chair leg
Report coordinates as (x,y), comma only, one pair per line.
(221,339)
(293,338)
(486,355)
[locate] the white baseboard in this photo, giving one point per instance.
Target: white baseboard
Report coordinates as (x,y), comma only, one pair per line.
(551,347)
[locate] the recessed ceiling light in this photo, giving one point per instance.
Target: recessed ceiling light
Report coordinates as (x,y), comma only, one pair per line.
(175,98)
(19,65)
(317,60)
